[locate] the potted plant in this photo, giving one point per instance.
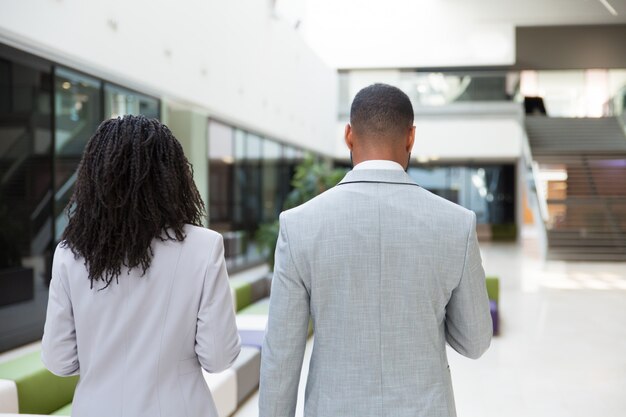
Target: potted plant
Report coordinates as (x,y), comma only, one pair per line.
(310,179)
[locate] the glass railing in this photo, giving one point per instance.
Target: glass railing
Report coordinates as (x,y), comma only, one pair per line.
(431,89)
(618,106)
(566,93)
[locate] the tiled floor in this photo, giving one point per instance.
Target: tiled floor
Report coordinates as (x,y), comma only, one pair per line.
(562,348)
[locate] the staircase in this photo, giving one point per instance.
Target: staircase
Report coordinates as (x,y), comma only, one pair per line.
(587,203)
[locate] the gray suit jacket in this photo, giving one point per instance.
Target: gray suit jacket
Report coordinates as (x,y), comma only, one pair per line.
(139,345)
(389,273)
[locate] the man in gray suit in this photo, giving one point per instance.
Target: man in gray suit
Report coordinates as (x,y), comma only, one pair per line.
(387,271)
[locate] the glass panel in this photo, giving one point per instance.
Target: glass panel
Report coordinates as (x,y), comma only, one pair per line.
(576,93)
(437,180)
(345,98)
(240,178)
(487,190)
(272,200)
(272,151)
(120,101)
(240,145)
(290,152)
(77,115)
(254,148)
(252,186)
(25,200)
(250,177)
(289,168)
(220,176)
(430,88)
(285,173)
(220,142)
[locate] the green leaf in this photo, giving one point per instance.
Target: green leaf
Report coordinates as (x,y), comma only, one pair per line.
(311,178)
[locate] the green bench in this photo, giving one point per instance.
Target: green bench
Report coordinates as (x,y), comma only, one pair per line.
(38,391)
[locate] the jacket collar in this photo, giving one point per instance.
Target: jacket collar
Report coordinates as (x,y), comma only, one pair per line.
(378,175)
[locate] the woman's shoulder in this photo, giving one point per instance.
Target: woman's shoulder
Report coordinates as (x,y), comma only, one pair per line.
(200,240)
(200,234)
(63,252)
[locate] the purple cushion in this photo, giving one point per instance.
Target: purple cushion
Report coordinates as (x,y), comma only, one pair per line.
(252,337)
(493,307)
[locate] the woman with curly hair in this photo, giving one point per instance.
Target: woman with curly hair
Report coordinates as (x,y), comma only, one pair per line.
(139,300)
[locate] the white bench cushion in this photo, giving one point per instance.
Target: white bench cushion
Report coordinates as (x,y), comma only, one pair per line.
(8,397)
(223,388)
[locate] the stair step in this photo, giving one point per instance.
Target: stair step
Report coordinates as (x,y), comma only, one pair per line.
(586,257)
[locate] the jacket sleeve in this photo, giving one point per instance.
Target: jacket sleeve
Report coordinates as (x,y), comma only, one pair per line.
(285,339)
(468,319)
(59,352)
(217,339)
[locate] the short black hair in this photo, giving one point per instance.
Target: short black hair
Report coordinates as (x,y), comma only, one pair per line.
(381,110)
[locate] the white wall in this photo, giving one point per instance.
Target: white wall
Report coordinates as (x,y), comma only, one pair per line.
(468,139)
(463,131)
(233,58)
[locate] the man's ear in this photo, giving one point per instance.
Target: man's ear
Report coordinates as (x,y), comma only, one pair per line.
(348,137)
(410,140)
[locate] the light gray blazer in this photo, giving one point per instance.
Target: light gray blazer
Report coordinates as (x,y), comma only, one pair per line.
(389,273)
(139,345)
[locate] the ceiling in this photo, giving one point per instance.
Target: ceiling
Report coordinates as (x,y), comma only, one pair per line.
(519,12)
(536,12)
(381,33)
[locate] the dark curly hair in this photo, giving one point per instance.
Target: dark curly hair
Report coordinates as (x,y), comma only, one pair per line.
(134,185)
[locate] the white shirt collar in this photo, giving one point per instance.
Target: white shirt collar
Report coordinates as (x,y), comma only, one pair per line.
(378,164)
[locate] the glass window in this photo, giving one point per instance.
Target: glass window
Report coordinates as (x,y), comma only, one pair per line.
(37,174)
(285,174)
(272,200)
(240,145)
(77,115)
(429,88)
(437,180)
(254,148)
(289,167)
(220,142)
(290,152)
(26,235)
(252,187)
(220,176)
(488,190)
(250,180)
(119,101)
(575,93)
(345,99)
(272,151)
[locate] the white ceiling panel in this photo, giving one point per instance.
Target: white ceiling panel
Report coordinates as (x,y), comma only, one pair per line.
(435,33)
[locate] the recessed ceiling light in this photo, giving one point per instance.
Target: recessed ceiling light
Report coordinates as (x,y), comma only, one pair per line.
(66,85)
(608,6)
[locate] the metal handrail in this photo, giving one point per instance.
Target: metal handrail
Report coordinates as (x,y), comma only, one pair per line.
(534,184)
(618,107)
(534,189)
